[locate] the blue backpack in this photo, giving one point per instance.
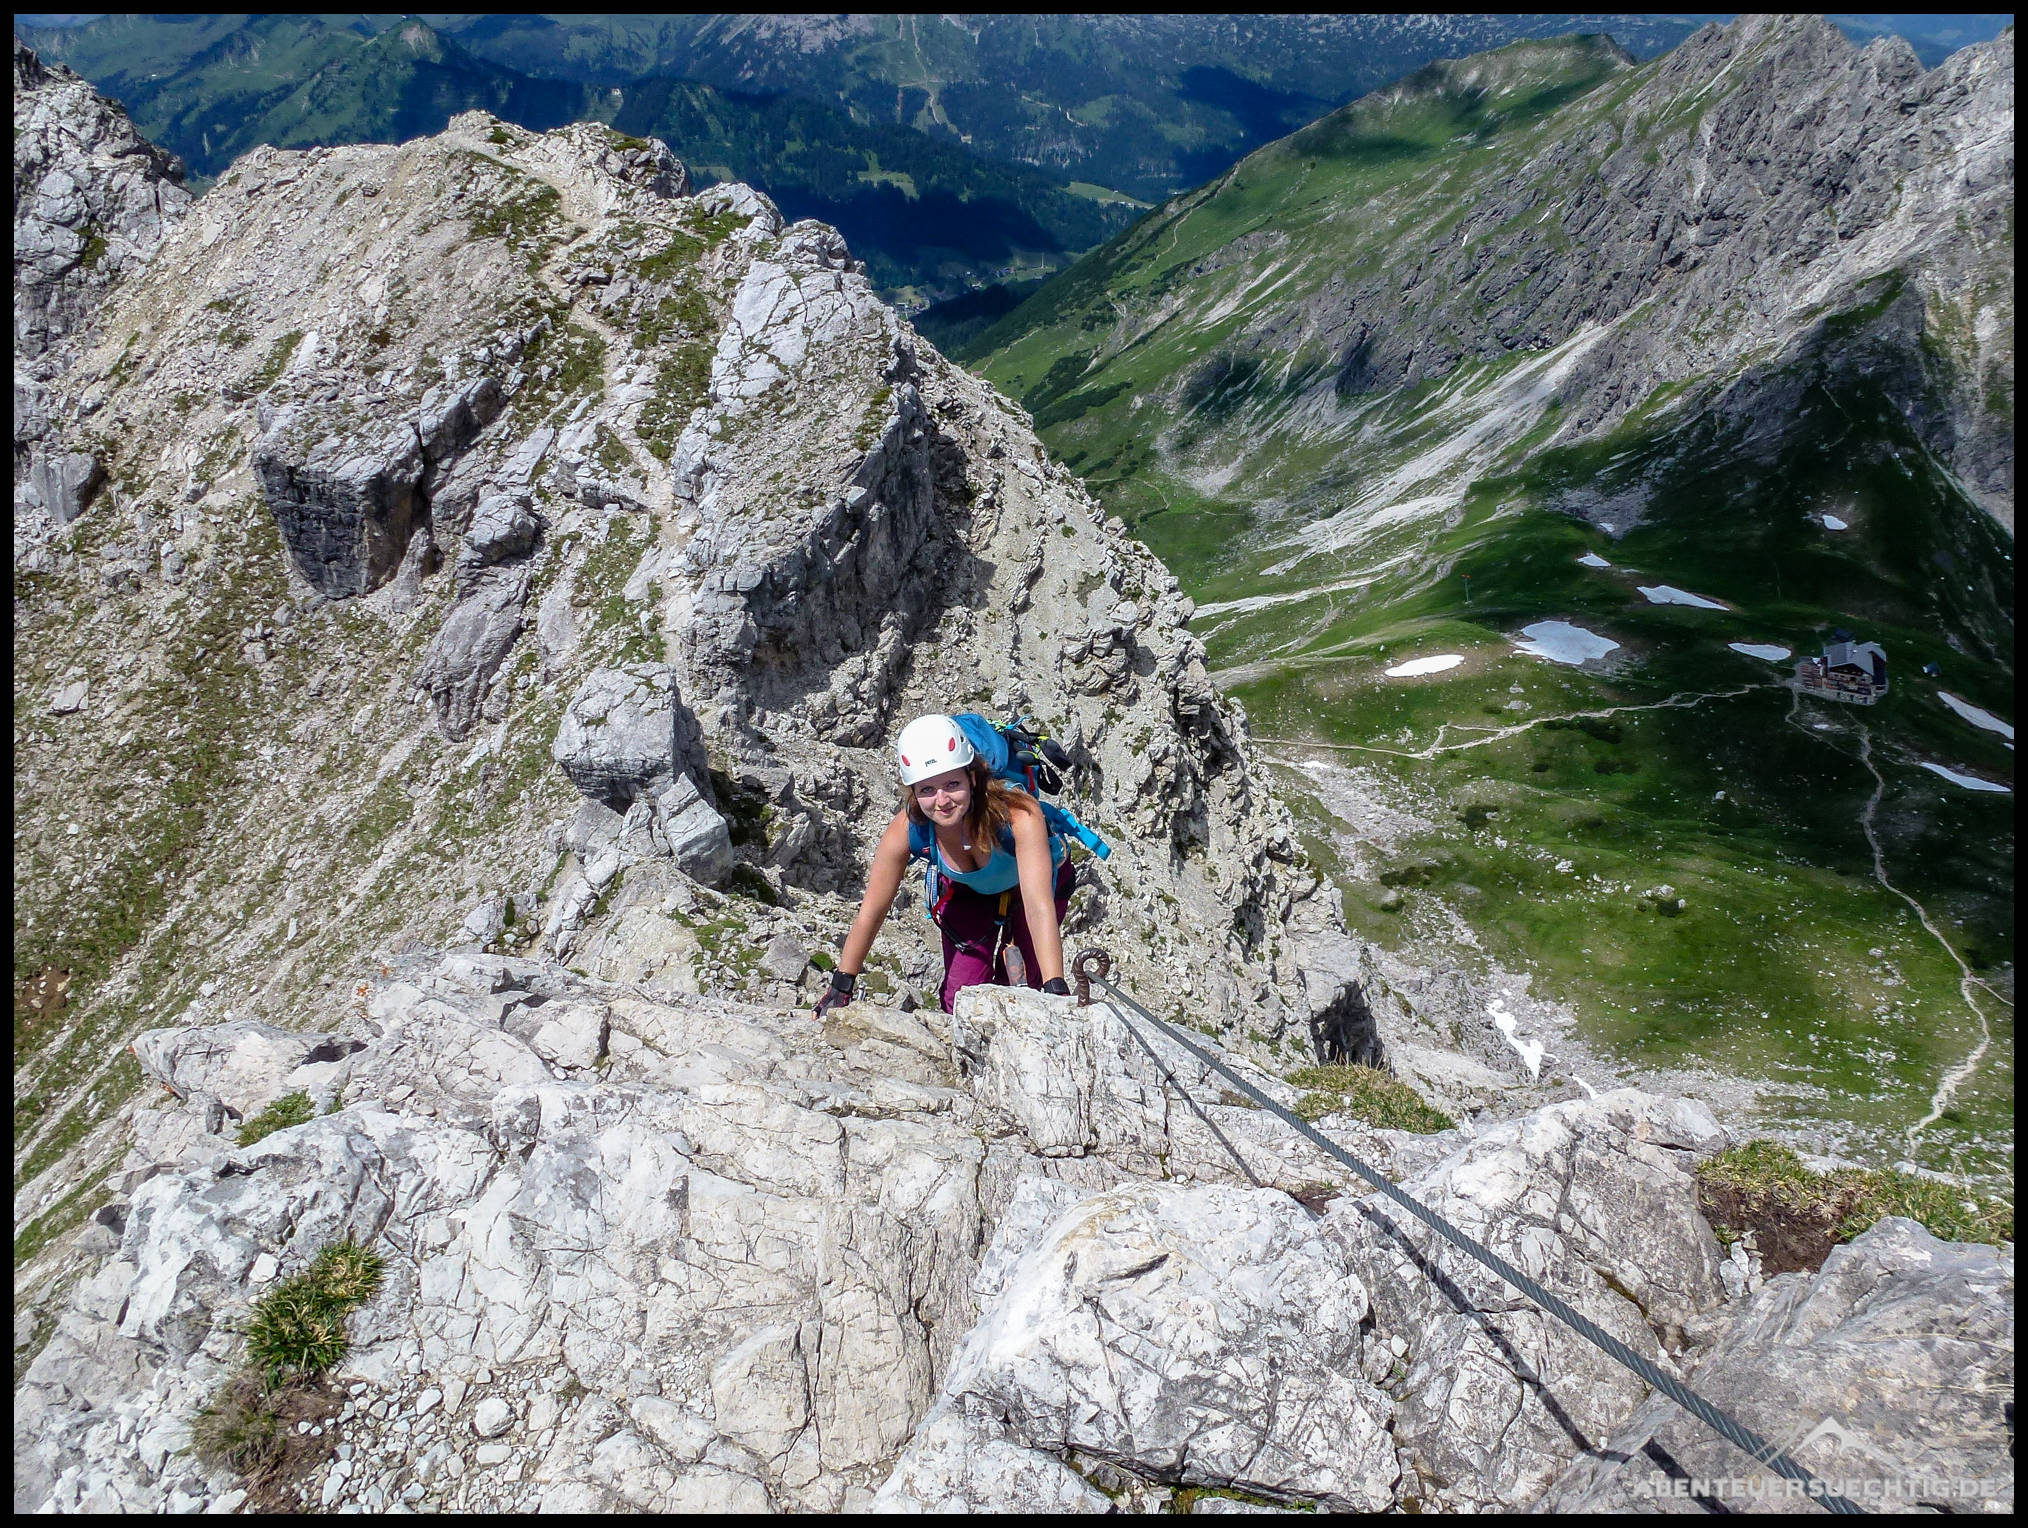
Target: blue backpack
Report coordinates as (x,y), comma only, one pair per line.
(1023,756)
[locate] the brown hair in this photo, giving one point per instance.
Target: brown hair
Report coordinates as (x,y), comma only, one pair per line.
(994,803)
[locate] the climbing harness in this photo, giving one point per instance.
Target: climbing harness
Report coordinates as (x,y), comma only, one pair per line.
(1725,1425)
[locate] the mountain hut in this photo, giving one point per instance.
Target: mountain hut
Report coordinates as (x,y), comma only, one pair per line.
(1854,673)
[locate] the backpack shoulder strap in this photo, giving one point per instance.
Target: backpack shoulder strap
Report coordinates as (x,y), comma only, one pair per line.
(1064,824)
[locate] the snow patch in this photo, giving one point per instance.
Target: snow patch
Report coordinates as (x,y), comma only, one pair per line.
(1774,652)
(1976,716)
(1666,594)
(1531,1052)
(1593,560)
(1969,782)
(1561,642)
(1436,664)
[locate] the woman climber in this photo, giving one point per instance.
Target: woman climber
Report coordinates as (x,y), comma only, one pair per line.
(997,877)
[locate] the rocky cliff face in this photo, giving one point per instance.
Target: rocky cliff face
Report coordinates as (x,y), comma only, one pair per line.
(501,543)
(685,1255)
(92,200)
(1806,169)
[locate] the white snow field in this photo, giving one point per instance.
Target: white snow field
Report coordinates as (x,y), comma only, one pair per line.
(1833,523)
(1774,652)
(1667,594)
(1531,1052)
(1969,782)
(1593,560)
(1561,642)
(1976,716)
(1435,664)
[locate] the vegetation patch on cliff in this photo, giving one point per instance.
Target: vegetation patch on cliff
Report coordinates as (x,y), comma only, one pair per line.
(1796,1215)
(295,1333)
(1369,1094)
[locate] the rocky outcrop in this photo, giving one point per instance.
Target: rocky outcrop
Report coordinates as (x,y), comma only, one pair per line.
(627,740)
(661,1252)
(750,1318)
(349,492)
(92,200)
(458,669)
(1078,1084)
(1893,1366)
(1595,1199)
(346,499)
(782,598)
(61,485)
(627,735)
(245,1066)
(1206,1337)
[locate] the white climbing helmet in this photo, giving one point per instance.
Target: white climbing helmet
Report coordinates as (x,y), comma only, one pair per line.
(931,745)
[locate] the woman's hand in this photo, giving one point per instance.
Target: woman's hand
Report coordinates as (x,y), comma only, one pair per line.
(837,995)
(890,863)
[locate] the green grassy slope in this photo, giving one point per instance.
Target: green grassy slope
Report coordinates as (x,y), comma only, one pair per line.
(1789,962)
(1542,829)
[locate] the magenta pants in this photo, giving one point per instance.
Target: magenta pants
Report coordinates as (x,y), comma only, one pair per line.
(975,944)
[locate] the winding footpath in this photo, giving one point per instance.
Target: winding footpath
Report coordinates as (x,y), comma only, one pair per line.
(1678,702)
(1954,1076)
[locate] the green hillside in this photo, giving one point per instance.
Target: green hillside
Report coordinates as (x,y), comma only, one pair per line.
(1334,518)
(930,218)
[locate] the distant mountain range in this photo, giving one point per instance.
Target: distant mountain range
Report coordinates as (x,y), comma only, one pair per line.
(954,152)
(926,215)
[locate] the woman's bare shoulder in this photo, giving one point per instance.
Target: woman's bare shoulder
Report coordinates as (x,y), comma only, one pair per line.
(1024,811)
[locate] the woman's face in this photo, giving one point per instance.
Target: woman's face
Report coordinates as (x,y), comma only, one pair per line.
(944,799)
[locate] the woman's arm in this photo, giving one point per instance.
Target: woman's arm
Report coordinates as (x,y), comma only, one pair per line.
(883,880)
(1038,889)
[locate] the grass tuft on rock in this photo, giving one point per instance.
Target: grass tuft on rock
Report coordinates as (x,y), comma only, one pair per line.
(251,1428)
(1369,1094)
(289,1109)
(1796,1215)
(240,1429)
(298,1327)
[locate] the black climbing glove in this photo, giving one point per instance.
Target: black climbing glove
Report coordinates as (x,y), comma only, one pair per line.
(839,994)
(1058,986)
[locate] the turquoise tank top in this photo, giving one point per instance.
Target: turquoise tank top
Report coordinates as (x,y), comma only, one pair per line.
(998,874)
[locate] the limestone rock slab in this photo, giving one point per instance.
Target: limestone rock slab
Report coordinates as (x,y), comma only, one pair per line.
(1206,1335)
(1895,1361)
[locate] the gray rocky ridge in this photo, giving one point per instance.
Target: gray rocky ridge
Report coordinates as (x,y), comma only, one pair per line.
(466,704)
(691,1255)
(1764,210)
